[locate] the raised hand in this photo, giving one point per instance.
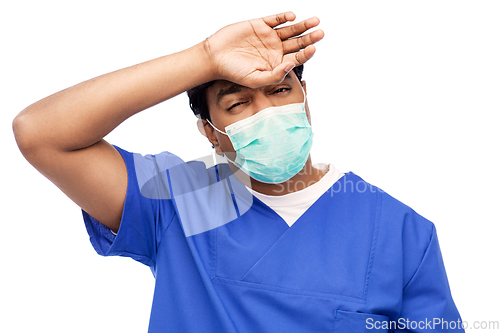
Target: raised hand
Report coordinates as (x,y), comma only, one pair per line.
(256,53)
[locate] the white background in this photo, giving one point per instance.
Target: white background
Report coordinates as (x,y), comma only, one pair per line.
(405,94)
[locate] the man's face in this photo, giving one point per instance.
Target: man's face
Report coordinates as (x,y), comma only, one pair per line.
(229,102)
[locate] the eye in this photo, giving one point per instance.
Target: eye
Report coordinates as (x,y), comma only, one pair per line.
(281,90)
(235,105)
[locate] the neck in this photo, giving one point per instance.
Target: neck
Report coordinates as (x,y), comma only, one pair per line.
(308,176)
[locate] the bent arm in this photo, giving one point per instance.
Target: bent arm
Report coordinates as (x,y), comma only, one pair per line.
(62,134)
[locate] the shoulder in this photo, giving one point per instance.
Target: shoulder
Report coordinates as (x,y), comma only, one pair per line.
(391,212)
(403,235)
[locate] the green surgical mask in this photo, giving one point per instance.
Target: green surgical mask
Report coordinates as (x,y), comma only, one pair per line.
(273,145)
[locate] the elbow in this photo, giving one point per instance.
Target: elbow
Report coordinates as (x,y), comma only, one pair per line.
(19,129)
(25,133)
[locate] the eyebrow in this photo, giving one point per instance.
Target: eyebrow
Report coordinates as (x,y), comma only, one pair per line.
(236,88)
(232,89)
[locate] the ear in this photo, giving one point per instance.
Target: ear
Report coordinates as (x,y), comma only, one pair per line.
(207,131)
(303,83)
(201,127)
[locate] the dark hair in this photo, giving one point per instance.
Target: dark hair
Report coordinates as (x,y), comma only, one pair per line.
(198,97)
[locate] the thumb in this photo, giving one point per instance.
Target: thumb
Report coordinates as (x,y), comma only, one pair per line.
(277,75)
(282,70)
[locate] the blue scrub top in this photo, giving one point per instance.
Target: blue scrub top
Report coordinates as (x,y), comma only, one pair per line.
(357,260)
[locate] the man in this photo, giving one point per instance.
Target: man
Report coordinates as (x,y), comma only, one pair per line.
(263,240)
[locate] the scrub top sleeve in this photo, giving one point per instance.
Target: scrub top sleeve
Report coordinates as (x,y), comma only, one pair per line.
(146,212)
(427,302)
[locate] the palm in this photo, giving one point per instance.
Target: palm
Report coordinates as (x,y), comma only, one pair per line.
(254,54)
(257,47)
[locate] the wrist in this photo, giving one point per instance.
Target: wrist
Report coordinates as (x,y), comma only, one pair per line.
(202,62)
(209,59)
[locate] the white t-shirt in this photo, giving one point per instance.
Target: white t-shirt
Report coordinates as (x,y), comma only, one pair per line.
(291,206)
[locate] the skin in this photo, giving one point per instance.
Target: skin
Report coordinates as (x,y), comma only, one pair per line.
(245,103)
(62,134)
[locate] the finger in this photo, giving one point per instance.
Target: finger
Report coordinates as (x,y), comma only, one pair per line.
(299,43)
(301,57)
(297,29)
(275,20)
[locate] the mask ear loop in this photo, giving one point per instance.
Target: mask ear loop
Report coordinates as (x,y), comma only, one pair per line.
(201,128)
(218,130)
(303,93)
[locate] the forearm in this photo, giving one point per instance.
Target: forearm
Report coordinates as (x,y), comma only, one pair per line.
(82,115)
